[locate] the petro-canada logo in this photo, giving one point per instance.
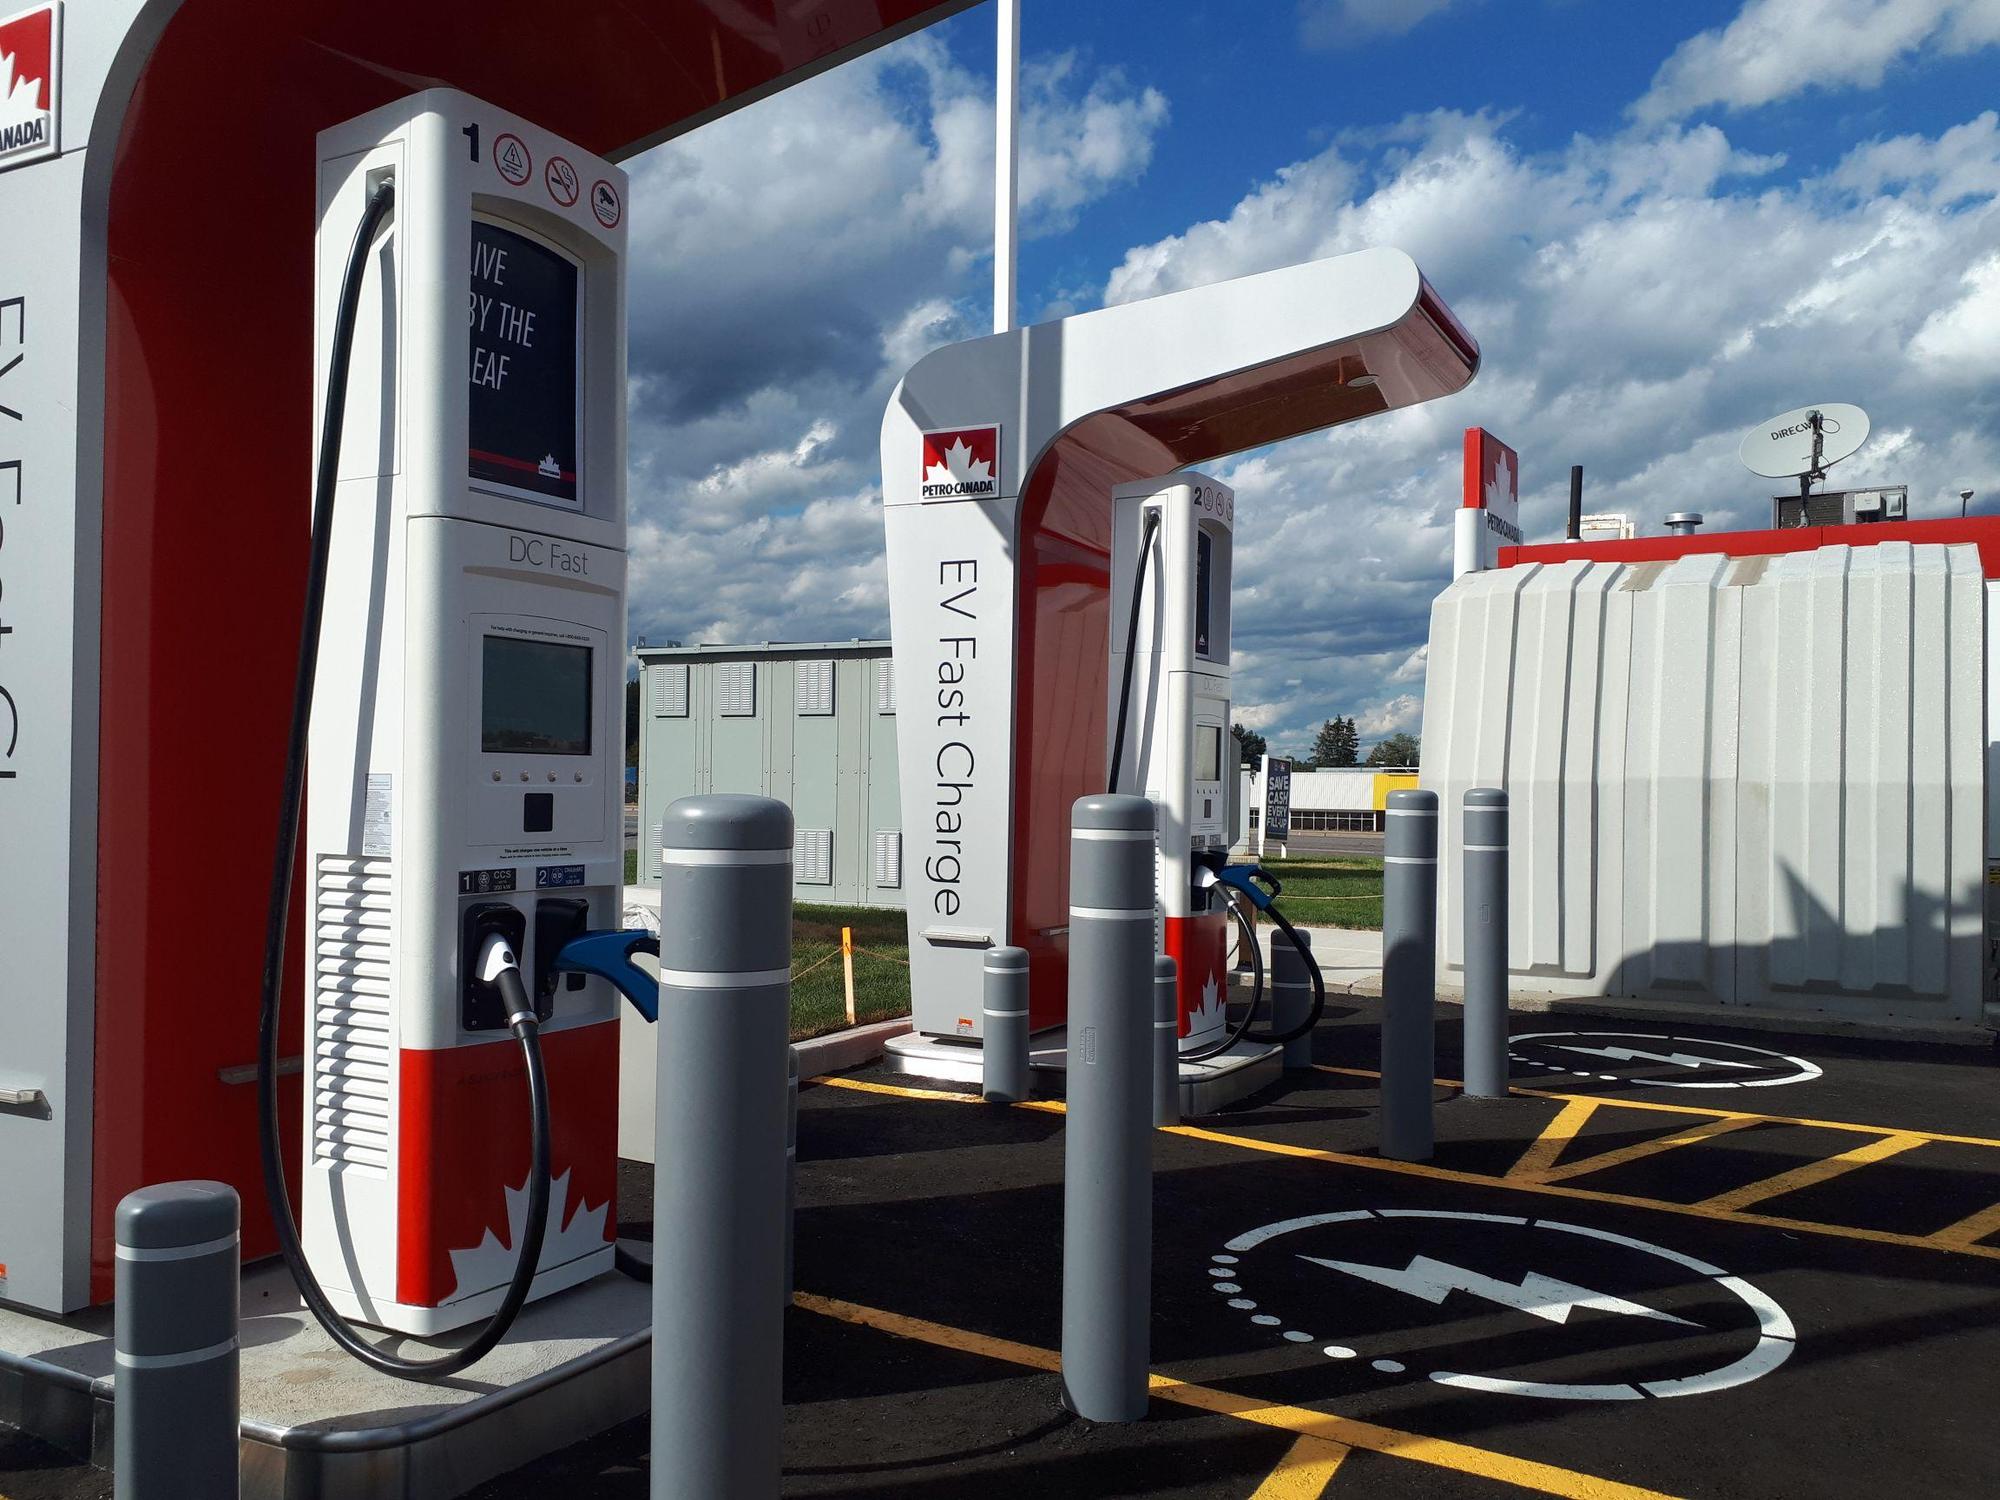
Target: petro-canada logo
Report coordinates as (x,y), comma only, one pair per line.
(30,72)
(962,464)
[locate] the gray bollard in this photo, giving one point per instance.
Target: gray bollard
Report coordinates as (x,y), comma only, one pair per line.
(1166,1041)
(719,1183)
(1003,1049)
(1291,996)
(1486,943)
(1409,973)
(1107,1147)
(174,1415)
(791,1167)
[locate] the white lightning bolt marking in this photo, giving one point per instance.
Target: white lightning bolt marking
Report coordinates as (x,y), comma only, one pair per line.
(1634,1054)
(1535,1294)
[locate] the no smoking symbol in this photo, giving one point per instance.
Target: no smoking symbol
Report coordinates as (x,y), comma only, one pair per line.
(563,183)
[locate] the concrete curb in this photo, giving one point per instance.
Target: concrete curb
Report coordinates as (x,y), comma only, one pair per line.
(855,1047)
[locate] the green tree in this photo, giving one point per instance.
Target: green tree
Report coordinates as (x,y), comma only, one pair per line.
(1336,744)
(1253,745)
(1396,750)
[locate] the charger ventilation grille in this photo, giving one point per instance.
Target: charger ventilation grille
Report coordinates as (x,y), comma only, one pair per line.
(353,971)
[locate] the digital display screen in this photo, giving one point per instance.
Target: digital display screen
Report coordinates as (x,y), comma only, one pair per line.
(522,399)
(534,697)
(1204,557)
(1208,752)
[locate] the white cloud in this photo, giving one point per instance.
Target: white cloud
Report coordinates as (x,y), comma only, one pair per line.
(1775,49)
(1343,23)
(1640,299)
(789,263)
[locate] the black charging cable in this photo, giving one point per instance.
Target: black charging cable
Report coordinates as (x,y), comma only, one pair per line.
(521,1018)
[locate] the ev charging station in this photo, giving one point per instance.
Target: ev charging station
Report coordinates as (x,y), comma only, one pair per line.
(1010,465)
(465,776)
(1169,680)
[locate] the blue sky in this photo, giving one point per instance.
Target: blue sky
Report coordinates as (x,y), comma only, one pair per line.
(1663,222)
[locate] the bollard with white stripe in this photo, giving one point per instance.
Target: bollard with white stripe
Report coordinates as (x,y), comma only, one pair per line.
(1486,943)
(1108,1140)
(1409,973)
(1292,996)
(1003,1046)
(1166,1041)
(719,1180)
(174,1413)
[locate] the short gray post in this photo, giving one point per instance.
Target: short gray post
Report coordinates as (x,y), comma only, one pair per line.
(174,1412)
(1166,1041)
(1486,943)
(1003,1049)
(1107,1147)
(1291,996)
(1409,973)
(719,1178)
(791,1167)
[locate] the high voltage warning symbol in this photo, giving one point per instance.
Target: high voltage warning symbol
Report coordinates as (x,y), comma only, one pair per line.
(510,155)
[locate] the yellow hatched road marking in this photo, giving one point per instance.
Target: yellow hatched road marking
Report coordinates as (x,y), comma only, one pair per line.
(1324,1426)
(1304,1472)
(1477,1179)
(1971,1229)
(1812,1172)
(1545,1148)
(1708,1130)
(1704,1111)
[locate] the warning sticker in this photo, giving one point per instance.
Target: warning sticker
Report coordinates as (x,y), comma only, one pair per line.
(563,183)
(378,817)
(510,156)
(606,204)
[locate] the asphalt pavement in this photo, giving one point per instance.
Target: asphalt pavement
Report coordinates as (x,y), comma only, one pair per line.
(1705,1264)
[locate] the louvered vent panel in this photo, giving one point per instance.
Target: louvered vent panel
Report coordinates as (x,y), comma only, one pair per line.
(353,969)
(885,686)
(736,689)
(888,859)
(812,856)
(670,690)
(815,687)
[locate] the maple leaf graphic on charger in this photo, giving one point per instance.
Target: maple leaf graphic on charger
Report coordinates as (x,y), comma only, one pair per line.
(959,466)
(20,97)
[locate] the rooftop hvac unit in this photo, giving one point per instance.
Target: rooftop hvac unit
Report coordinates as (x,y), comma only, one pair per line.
(1841,507)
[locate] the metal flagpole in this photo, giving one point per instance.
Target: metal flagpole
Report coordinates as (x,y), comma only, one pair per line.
(1006,163)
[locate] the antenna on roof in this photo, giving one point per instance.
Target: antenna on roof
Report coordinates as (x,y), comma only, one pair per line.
(1804,442)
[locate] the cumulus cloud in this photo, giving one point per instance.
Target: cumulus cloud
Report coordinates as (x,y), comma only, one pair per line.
(1345,23)
(789,262)
(1775,49)
(1641,299)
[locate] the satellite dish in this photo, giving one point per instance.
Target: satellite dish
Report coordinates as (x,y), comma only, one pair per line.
(1804,441)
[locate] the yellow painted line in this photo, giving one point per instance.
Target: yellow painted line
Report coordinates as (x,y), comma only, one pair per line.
(1304,1472)
(1971,1229)
(1327,1427)
(1545,1148)
(1696,1109)
(946,1096)
(1812,1172)
(1708,1130)
(1583,1195)
(1476,1179)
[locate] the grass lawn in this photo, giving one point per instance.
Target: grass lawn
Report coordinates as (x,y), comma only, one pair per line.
(1330,890)
(881,967)
(631,866)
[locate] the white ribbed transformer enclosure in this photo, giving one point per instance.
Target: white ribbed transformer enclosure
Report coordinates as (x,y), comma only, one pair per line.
(1753,781)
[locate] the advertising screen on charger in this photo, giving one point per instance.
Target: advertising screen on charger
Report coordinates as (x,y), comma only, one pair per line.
(525,392)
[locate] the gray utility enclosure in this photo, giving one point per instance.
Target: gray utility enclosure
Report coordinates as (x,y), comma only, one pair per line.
(812,724)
